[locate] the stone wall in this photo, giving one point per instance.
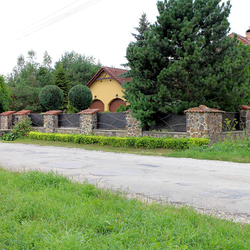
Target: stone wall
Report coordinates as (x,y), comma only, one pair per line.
(67,130)
(88,121)
(20,115)
(4,131)
(175,135)
(51,121)
(133,127)
(7,120)
(245,119)
(109,133)
(204,122)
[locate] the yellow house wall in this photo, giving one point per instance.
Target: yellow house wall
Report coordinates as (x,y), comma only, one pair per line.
(106,90)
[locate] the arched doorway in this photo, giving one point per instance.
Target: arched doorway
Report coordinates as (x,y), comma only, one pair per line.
(115,104)
(97,104)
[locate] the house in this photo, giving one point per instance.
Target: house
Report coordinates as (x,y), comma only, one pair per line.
(244,40)
(106,88)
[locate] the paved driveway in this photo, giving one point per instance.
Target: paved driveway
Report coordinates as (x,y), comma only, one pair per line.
(214,185)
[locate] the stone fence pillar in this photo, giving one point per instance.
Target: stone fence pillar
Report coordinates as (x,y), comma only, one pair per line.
(51,120)
(7,119)
(133,126)
(88,120)
(245,119)
(203,121)
(20,115)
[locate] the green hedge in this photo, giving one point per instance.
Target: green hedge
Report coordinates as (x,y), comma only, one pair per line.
(137,142)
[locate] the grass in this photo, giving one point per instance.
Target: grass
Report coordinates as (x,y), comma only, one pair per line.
(234,151)
(48,211)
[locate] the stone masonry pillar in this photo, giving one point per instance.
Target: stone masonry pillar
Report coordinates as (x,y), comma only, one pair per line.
(7,119)
(20,115)
(88,120)
(51,120)
(245,119)
(133,126)
(203,121)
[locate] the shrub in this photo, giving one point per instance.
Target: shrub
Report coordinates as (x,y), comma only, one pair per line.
(80,97)
(51,97)
(22,128)
(121,108)
(138,142)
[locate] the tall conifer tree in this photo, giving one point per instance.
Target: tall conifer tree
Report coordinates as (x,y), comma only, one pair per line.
(187,60)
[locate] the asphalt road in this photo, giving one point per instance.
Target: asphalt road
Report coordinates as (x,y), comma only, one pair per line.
(213,185)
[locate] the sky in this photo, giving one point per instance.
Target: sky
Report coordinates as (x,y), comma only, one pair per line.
(97,28)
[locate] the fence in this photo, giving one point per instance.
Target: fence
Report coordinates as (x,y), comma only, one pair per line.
(196,122)
(111,121)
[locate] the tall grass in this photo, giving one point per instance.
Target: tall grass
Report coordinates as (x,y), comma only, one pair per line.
(48,211)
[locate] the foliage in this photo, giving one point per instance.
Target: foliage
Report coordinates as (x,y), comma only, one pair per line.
(187,60)
(22,128)
(138,142)
(79,68)
(51,97)
(121,108)
(26,80)
(80,97)
(5,97)
(61,81)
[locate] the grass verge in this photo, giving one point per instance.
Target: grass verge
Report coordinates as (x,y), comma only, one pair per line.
(47,211)
(234,151)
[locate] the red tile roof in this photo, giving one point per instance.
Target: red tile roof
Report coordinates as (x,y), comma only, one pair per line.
(23,112)
(88,112)
(203,109)
(113,72)
(244,40)
(245,107)
(8,112)
(52,112)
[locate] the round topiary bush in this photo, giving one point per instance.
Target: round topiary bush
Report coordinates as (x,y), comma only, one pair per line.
(80,97)
(51,97)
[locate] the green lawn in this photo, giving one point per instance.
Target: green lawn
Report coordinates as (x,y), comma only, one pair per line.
(47,211)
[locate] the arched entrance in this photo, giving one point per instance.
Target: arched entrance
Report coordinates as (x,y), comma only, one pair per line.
(115,104)
(97,104)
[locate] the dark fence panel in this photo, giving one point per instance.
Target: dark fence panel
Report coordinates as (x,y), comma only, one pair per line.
(111,121)
(37,120)
(68,120)
(232,122)
(0,122)
(170,122)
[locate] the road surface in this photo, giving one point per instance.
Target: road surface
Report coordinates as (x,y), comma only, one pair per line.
(203,184)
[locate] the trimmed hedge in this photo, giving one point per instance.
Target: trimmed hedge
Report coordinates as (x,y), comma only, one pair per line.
(137,142)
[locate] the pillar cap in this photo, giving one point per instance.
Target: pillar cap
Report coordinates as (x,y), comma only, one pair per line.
(8,113)
(245,107)
(203,109)
(88,112)
(52,112)
(22,112)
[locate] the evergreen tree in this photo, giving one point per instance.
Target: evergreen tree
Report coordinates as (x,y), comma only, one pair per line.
(144,26)
(61,81)
(187,60)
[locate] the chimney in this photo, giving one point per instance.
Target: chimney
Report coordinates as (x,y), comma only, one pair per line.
(248,33)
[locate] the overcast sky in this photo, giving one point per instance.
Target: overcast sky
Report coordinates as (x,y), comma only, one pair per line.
(98,28)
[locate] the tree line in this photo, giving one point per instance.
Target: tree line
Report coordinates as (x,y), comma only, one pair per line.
(20,89)
(183,60)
